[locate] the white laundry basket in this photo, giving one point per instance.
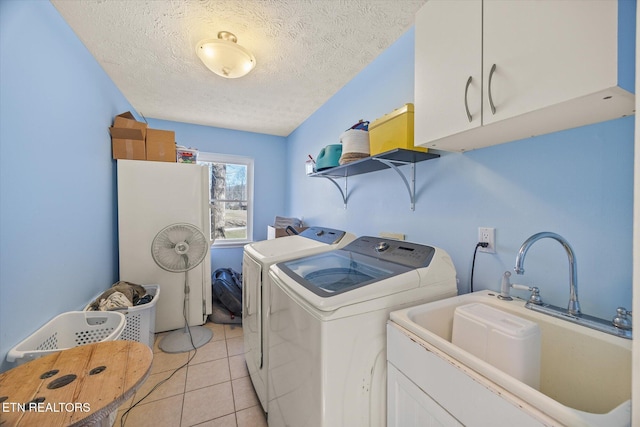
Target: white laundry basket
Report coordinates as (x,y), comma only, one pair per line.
(68,330)
(141,319)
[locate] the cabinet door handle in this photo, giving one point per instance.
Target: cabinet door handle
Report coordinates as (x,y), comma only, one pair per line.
(493,70)
(466,103)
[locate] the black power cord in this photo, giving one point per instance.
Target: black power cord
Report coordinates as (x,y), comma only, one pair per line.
(473,263)
(125,415)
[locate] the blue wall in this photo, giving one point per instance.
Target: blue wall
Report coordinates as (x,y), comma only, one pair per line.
(577,183)
(58,240)
(268,152)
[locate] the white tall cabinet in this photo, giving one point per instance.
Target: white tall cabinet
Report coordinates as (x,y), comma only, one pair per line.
(152,196)
(490,71)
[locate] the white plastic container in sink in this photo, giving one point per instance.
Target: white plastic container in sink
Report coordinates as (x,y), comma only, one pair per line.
(508,342)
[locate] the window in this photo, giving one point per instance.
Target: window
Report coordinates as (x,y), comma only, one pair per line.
(231,198)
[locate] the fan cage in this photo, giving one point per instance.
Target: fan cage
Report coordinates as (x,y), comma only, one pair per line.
(179,247)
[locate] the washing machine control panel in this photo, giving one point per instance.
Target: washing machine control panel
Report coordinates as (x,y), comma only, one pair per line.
(382,246)
(400,252)
(323,234)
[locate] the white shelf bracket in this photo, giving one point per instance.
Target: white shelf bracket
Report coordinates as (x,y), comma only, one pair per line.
(344,193)
(411,187)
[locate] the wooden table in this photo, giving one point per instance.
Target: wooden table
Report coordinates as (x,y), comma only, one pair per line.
(75,387)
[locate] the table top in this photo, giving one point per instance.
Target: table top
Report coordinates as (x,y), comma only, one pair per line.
(78,386)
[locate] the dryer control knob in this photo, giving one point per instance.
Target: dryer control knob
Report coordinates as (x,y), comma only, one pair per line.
(319,233)
(382,246)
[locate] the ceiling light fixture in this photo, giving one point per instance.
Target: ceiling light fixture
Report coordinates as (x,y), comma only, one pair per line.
(225,57)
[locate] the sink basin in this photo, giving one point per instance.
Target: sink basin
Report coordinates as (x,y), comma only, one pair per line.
(585,375)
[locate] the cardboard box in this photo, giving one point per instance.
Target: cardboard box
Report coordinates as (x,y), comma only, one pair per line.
(161,145)
(130,149)
(128,121)
(393,130)
(128,137)
(273,232)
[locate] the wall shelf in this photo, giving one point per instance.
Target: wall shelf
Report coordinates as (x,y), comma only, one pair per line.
(388,160)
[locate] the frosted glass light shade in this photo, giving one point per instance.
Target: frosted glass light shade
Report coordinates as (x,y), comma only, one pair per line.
(225,57)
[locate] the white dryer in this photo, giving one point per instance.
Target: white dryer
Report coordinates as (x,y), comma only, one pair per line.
(327,336)
(257,259)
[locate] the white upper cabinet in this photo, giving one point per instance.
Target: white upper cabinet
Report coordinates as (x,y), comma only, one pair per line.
(448,68)
(494,71)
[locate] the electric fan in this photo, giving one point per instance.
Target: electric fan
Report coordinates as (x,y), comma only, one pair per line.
(179,248)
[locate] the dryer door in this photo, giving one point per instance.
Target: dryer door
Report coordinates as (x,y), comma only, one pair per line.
(252,311)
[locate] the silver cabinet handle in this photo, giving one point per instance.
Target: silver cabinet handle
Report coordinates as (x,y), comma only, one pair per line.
(466,104)
(493,108)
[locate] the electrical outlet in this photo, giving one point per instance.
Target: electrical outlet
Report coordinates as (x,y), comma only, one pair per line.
(488,235)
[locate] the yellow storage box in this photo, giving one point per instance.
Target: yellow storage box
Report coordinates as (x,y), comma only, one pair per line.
(393,130)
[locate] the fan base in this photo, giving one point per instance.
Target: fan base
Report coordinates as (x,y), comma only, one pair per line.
(179,341)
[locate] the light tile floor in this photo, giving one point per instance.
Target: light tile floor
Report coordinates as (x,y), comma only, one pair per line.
(214,390)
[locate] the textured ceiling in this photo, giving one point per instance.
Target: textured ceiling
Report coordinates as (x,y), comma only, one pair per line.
(306,50)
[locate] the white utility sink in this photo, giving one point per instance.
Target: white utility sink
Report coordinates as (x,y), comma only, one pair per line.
(585,375)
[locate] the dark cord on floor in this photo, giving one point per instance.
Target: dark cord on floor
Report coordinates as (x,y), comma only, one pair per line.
(125,415)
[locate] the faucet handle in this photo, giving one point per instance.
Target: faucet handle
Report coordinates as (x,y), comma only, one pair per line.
(621,319)
(535,297)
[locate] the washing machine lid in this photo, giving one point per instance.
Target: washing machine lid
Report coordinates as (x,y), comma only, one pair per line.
(362,262)
(310,241)
(340,271)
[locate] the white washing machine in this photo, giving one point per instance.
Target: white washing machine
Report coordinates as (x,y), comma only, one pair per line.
(257,258)
(327,336)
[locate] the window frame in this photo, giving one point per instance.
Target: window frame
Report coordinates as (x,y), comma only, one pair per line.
(208,157)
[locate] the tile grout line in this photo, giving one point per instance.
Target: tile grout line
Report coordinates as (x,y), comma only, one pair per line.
(184,390)
(222,334)
(233,396)
(184,393)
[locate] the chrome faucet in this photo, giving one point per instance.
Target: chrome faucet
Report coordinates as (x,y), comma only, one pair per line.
(620,325)
(574,305)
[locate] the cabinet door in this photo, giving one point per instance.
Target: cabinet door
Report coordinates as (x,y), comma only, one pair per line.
(448,49)
(545,52)
(409,406)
